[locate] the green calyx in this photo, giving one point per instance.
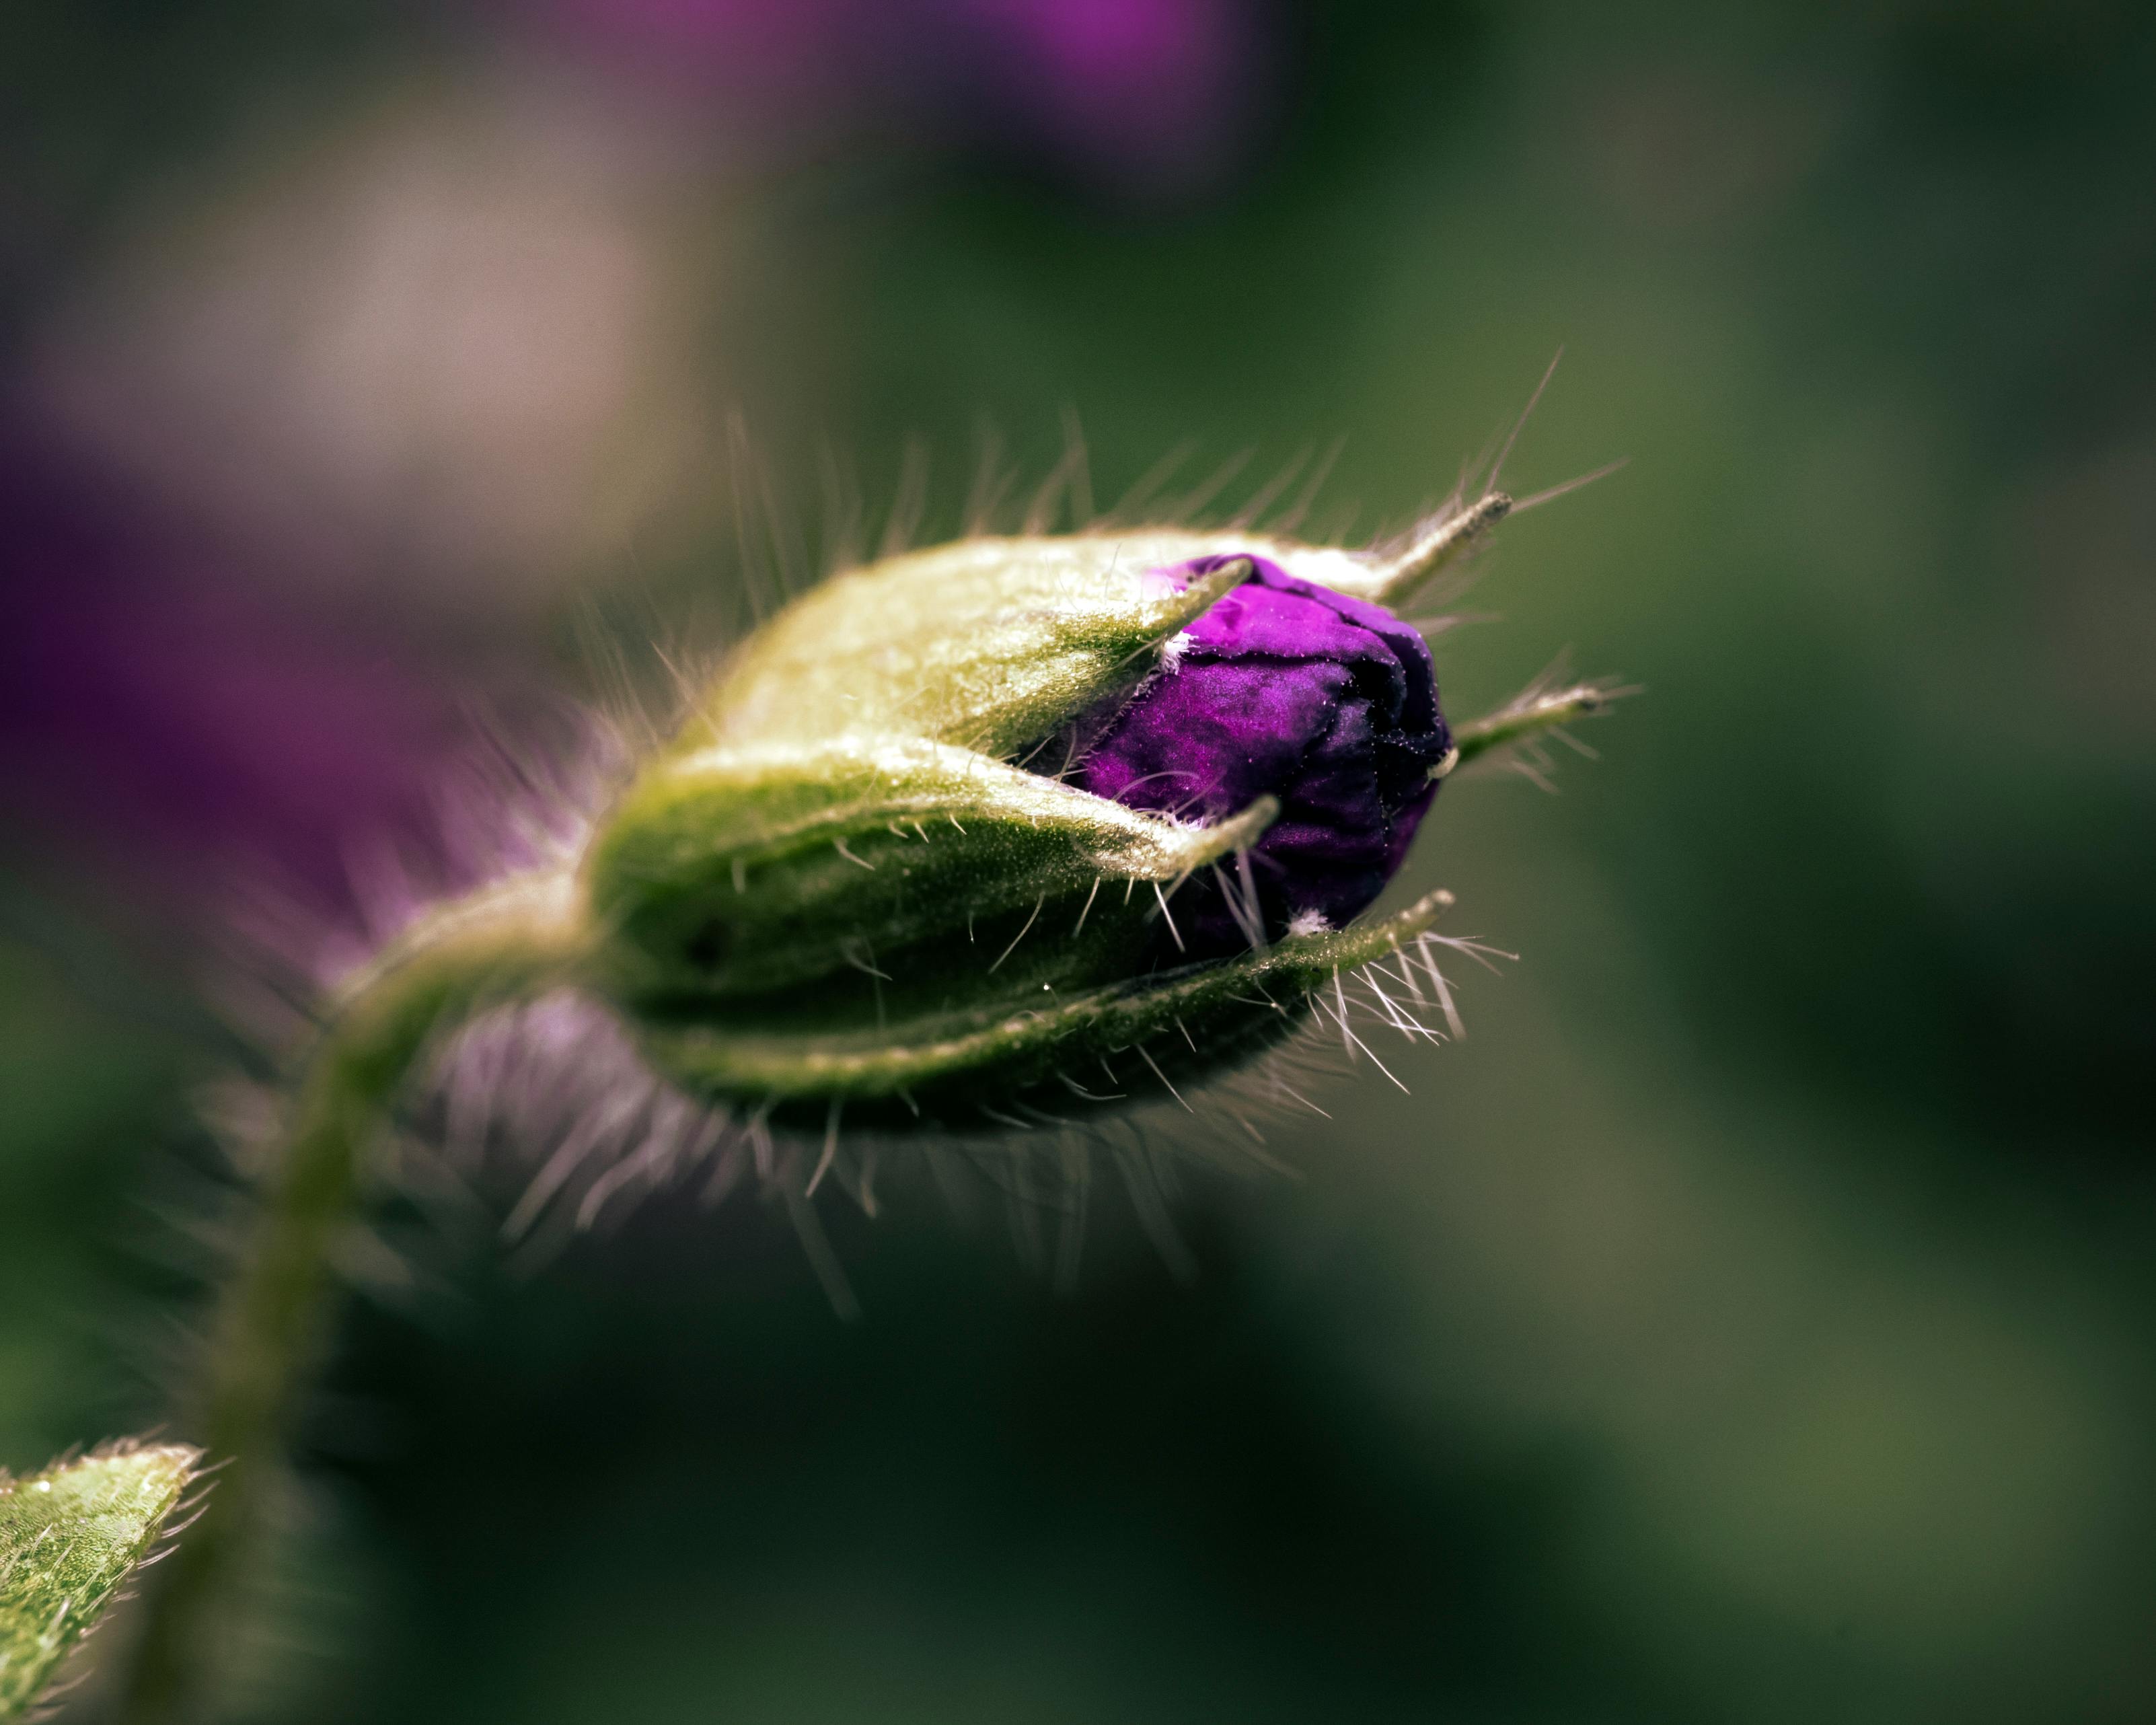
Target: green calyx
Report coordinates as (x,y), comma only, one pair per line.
(839,880)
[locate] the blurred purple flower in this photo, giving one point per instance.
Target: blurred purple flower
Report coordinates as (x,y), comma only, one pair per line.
(1154,94)
(782,66)
(1286,689)
(158,714)
(1150,96)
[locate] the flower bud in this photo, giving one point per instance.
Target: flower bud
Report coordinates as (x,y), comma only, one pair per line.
(1011,827)
(1290,689)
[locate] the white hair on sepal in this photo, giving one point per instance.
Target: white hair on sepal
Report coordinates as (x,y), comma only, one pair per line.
(587,1148)
(517,795)
(1224,1127)
(1068,483)
(551,1092)
(584,1132)
(771,547)
(1191,508)
(791,1182)
(1239,892)
(843,543)
(1023,1201)
(1149,1179)
(1405,996)
(771,560)
(1515,738)
(1070,1233)
(555,1101)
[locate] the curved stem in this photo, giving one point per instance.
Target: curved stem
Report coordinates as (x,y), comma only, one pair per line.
(515,938)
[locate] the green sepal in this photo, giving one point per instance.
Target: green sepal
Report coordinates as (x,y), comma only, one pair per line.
(734,873)
(1072,1054)
(68,1538)
(992,644)
(1537,708)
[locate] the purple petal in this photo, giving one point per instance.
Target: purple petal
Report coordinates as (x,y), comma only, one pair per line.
(1286,689)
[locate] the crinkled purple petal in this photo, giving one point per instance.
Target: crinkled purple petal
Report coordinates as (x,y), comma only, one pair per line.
(1286,689)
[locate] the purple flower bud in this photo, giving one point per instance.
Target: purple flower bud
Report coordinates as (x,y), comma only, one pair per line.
(1287,689)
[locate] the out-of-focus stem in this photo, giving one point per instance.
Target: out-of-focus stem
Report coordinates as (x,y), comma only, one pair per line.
(513,939)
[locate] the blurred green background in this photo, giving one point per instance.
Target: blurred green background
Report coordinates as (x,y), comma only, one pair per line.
(1750,1320)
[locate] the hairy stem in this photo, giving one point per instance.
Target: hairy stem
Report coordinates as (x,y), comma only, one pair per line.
(512,939)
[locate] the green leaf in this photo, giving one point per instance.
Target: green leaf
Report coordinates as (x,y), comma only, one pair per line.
(68,1538)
